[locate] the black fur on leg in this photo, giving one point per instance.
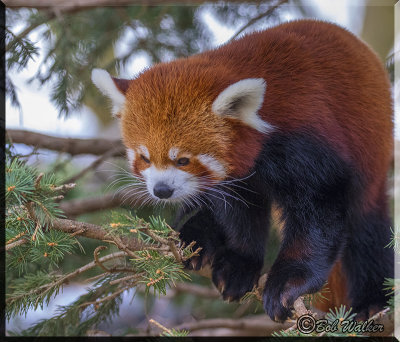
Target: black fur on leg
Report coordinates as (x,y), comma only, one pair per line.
(208,234)
(315,189)
(237,267)
(233,235)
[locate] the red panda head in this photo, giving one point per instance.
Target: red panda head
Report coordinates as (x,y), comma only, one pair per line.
(181,128)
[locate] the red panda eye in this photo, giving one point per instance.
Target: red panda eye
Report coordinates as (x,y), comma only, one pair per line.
(145,159)
(182,161)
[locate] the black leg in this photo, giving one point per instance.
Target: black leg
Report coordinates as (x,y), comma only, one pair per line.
(207,233)
(237,266)
(316,191)
(232,233)
(308,252)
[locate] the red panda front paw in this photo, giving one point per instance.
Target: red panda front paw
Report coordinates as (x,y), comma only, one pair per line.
(273,304)
(206,254)
(283,287)
(233,274)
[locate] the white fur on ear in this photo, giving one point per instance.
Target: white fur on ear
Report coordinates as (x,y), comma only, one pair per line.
(106,85)
(242,100)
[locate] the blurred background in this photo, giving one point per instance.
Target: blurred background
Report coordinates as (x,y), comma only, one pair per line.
(49,91)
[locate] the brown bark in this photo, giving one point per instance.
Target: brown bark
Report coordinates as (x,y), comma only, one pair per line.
(260,325)
(93,231)
(72,146)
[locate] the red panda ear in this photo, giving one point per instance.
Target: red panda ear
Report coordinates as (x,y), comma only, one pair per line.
(112,87)
(241,101)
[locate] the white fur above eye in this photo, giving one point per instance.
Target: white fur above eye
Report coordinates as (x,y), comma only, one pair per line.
(212,164)
(173,153)
(106,85)
(131,156)
(144,151)
(241,101)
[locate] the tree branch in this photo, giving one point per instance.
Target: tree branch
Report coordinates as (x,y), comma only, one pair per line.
(16,244)
(260,325)
(93,231)
(68,145)
(88,230)
(111,153)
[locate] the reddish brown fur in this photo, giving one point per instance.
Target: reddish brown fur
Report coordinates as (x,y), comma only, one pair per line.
(310,87)
(170,104)
(336,293)
(298,250)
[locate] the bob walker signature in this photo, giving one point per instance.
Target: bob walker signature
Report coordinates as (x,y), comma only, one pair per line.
(308,324)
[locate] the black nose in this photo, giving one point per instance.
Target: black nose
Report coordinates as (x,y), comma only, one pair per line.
(162,190)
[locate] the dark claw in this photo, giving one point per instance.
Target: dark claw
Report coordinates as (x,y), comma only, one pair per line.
(234,275)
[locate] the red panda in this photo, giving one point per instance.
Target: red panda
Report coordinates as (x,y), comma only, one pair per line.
(299,115)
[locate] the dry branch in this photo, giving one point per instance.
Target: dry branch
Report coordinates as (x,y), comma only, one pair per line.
(88,230)
(260,325)
(16,244)
(68,145)
(111,153)
(93,231)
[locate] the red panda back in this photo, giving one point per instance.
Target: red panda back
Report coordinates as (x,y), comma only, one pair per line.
(321,79)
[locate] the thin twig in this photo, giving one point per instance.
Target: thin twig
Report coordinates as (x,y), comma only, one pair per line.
(174,251)
(101,275)
(300,310)
(109,297)
(95,164)
(16,237)
(119,280)
(165,329)
(379,314)
(260,324)
(155,237)
(38,179)
(16,244)
(195,253)
(97,260)
(299,307)
(68,276)
(64,187)
(122,246)
(257,18)
(33,238)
